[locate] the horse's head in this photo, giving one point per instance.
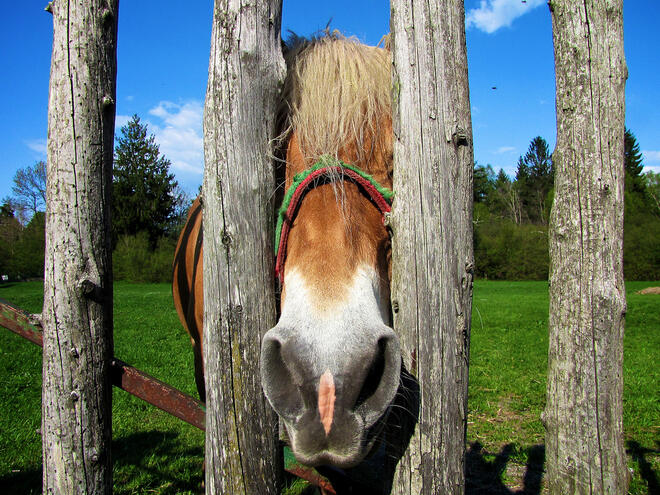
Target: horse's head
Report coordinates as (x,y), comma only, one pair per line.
(330,367)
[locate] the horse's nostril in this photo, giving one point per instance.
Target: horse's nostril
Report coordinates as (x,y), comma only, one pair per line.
(374,375)
(276,379)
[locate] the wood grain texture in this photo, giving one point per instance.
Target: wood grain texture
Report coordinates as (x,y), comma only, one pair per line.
(246,70)
(432,235)
(583,415)
(77,311)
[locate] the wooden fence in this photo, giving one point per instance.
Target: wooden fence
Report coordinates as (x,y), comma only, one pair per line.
(147,388)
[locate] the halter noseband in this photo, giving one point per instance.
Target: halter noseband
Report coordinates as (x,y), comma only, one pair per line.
(329,169)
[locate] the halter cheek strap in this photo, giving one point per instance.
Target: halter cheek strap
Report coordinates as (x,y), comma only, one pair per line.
(328,169)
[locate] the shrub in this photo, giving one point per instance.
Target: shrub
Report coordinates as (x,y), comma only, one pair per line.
(133,261)
(505,250)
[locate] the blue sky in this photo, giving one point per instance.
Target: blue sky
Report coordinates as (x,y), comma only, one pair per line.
(163,52)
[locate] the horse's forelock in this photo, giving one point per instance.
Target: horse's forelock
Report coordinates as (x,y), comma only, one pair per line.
(337,93)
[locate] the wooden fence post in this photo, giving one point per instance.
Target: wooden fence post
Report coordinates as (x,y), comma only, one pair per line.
(245,73)
(77,311)
(583,415)
(432,235)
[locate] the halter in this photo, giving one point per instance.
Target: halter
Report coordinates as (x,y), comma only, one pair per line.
(329,169)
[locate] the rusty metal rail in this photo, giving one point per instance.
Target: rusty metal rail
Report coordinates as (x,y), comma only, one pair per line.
(147,388)
(123,375)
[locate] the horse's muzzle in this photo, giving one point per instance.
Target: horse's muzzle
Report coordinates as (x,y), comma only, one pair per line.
(330,390)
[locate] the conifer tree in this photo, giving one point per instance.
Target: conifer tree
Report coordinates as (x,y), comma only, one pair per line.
(534,179)
(144,190)
(633,163)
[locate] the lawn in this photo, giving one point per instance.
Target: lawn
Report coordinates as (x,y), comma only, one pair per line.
(157,453)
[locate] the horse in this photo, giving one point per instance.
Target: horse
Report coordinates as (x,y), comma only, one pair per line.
(330,367)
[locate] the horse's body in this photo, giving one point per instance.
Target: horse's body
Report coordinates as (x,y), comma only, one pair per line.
(330,367)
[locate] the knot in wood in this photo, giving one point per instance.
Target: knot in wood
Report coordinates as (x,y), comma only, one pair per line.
(108,102)
(107,16)
(87,287)
(226,239)
(387,220)
(91,291)
(73,352)
(74,396)
(460,137)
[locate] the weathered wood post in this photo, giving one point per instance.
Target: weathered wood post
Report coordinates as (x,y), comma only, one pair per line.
(77,311)
(432,235)
(245,73)
(583,415)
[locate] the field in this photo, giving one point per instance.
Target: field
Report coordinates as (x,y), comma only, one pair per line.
(155,453)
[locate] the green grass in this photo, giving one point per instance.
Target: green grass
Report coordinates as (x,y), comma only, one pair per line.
(153,451)
(508,367)
(156,453)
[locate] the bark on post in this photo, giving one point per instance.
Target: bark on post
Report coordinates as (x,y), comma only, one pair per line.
(432,235)
(77,312)
(583,415)
(245,73)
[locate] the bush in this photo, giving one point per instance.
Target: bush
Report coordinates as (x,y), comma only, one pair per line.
(641,237)
(504,250)
(641,250)
(133,261)
(22,248)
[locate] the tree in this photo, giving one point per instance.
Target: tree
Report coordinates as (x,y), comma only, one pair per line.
(483,182)
(7,209)
(77,311)
(633,163)
(534,179)
(10,232)
(144,192)
(652,186)
(641,246)
(246,70)
(432,250)
(28,258)
(584,408)
(182,203)
(30,188)
(505,199)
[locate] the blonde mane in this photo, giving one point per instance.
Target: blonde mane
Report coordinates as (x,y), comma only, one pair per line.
(337,92)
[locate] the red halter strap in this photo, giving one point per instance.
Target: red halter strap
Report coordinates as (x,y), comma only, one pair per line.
(331,173)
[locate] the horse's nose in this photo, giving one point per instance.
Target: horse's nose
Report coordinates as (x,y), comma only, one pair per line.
(330,377)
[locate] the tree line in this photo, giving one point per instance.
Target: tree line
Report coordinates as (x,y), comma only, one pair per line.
(511,215)
(148,210)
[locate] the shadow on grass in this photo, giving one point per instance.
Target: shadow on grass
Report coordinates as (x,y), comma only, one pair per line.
(484,476)
(143,462)
(637,452)
(156,460)
(25,482)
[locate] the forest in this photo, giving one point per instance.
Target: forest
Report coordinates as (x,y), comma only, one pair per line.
(510,218)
